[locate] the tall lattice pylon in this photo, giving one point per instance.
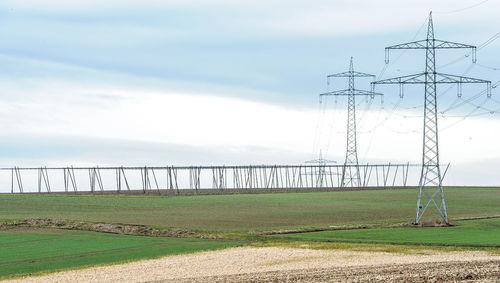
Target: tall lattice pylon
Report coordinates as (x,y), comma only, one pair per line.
(350,173)
(430,186)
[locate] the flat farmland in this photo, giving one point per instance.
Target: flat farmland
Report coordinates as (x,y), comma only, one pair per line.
(238,219)
(27,251)
(243,213)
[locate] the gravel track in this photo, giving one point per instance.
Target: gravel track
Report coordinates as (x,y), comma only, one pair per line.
(273,264)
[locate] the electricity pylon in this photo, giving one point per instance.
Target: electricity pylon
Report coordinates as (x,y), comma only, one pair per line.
(430,185)
(321,173)
(350,173)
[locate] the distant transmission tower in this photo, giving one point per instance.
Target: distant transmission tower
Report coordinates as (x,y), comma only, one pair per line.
(350,172)
(430,185)
(321,174)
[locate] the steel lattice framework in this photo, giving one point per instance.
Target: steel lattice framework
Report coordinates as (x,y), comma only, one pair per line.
(350,174)
(430,185)
(172,179)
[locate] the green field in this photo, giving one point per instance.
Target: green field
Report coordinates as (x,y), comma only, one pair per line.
(31,251)
(247,212)
(248,217)
(484,232)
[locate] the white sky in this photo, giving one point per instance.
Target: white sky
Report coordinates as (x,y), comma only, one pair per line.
(225,82)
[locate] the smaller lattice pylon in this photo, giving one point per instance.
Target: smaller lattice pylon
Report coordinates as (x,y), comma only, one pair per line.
(322,173)
(350,174)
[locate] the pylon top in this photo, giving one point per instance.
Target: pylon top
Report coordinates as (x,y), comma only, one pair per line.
(430,28)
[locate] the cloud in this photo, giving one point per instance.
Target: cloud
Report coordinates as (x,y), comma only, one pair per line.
(172,117)
(222,80)
(258,17)
(258,45)
(206,119)
(37,150)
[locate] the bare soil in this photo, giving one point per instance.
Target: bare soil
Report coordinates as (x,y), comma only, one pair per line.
(128,229)
(474,271)
(273,264)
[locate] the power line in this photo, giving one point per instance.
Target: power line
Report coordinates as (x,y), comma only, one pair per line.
(488,67)
(365,111)
(372,131)
(319,125)
(386,118)
(465,117)
(481,46)
(489,41)
(464,9)
(476,96)
(332,126)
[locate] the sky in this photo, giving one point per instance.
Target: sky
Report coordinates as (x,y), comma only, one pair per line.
(194,82)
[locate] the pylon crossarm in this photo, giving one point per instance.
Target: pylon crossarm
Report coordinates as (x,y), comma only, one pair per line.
(422,44)
(441,44)
(353,92)
(349,74)
(446,78)
(419,44)
(440,79)
(431,43)
(410,79)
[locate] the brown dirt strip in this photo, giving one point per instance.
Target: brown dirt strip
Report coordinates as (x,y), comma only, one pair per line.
(481,271)
(143,230)
(128,229)
(272,264)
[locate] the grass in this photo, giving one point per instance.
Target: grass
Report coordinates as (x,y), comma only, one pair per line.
(33,251)
(28,251)
(243,213)
(471,233)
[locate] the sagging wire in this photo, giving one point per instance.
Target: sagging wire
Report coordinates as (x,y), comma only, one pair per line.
(473,113)
(488,67)
(466,101)
(386,66)
(464,117)
(481,46)
(319,125)
(367,108)
(331,130)
(463,9)
(389,115)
